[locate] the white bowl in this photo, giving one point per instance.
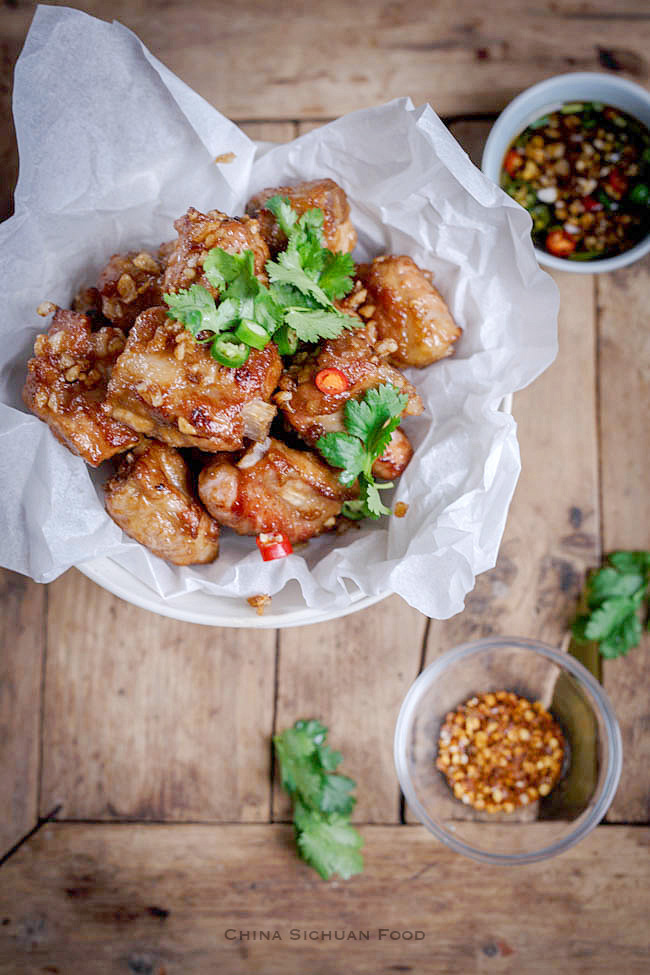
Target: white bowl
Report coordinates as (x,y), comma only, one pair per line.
(546,97)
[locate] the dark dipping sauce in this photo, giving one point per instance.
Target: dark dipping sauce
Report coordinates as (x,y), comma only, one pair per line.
(583,174)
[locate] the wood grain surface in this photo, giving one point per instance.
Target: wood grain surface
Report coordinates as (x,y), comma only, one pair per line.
(22,644)
(624,393)
(153,719)
(117,715)
(259,61)
(358,669)
(172,900)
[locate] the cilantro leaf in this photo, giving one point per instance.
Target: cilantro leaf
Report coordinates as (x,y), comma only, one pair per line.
(322,799)
(194,307)
(374,418)
(609,583)
(631,561)
(329,758)
(300,771)
(222,268)
(295,299)
(288,269)
(283,212)
(370,496)
(328,844)
(336,276)
(335,797)
(307,240)
(344,450)
(314,324)
(615,595)
(369,424)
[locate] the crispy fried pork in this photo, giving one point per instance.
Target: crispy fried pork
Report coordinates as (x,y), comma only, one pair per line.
(273,488)
(325,194)
(167,386)
(311,412)
(200,232)
(151,498)
(66,385)
(409,310)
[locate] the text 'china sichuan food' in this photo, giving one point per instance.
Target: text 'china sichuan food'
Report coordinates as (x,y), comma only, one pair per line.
(246,374)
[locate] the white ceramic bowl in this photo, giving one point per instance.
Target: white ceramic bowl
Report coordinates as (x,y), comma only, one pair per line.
(545,97)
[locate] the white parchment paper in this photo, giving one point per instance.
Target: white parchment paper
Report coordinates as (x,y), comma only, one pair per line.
(113,148)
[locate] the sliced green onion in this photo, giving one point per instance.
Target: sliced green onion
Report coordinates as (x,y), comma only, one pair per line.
(354,510)
(544,120)
(228,352)
(252,334)
(571,108)
(541,215)
(597,106)
(640,194)
(603,198)
(286,340)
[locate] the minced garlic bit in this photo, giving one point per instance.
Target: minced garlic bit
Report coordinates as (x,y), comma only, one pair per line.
(225,157)
(499,751)
(259,603)
(400,509)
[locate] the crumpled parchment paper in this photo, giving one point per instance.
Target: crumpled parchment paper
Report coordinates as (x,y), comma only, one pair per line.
(113,148)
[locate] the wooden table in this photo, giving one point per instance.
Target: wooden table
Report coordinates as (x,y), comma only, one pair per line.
(141,823)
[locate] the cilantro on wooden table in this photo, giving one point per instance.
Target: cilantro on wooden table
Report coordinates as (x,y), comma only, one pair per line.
(369,424)
(322,800)
(616,596)
(305,280)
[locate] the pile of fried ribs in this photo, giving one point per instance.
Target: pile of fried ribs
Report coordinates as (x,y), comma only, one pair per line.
(199,445)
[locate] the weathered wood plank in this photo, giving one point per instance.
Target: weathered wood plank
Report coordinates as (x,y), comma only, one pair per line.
(300,64)
(269,131)
(152,719)
(22,647)
(352,674)
(472,135)
(624,385)
(173,900)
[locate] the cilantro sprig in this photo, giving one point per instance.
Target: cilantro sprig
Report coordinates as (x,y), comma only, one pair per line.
(322,800)
(369,425)
(305,280)
(615,596)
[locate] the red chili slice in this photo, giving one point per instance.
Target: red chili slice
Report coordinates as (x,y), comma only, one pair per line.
(273,546)
(618,182)
(512,162)
(589,203)
(331,381)
(560,243)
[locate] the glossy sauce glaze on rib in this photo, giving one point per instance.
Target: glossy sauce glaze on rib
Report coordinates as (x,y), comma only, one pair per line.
(207,444)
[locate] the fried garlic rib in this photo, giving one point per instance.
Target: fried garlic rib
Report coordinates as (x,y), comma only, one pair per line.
(324,194)
(198,233)
(151,498)
(167,386)
(66,386)
(273,488)
(409,310)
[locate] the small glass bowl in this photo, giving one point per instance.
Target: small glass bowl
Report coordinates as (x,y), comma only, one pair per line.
(593,758)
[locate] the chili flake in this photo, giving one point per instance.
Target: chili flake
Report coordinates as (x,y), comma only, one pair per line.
(499,751)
